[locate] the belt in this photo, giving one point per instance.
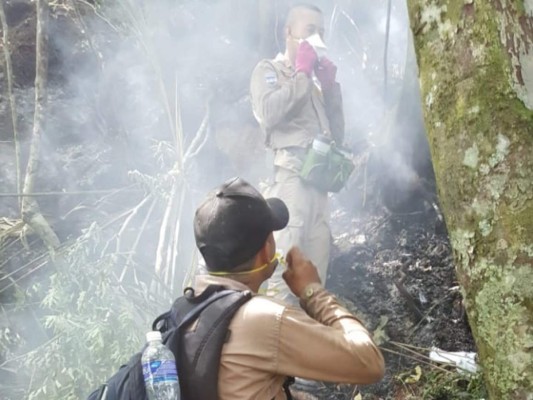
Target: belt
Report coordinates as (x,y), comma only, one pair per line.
(299,152)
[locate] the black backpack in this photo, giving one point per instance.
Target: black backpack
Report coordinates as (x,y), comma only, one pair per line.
(197,352)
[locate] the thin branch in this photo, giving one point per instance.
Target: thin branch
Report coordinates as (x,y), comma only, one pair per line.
(31,214)
(13,105)
(72,193)
(33,351)
(15,282)
(3,249)
(415,359)
(133,213)
(21,268)
(95,10)
(199,139)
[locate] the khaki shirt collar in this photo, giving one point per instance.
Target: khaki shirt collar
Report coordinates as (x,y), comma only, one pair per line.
(284,61)
(201,282)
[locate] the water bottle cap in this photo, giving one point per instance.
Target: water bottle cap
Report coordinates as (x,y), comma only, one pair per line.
(153,335)
(321,145)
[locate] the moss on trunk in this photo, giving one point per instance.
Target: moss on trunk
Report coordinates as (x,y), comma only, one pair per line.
(476,74)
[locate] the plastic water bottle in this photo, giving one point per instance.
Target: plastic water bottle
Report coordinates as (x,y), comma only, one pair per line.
(321,145)
(159,370)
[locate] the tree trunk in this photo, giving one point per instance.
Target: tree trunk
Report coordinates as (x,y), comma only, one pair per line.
(476,73)
(10,95)
(30,209)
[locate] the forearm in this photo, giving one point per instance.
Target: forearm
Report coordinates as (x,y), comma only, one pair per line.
(335,112)
(323,307)
(332,345)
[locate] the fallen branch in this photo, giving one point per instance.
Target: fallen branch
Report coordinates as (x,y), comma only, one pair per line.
(407,296)
(417,359)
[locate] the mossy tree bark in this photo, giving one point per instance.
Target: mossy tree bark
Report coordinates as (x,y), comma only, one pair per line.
(476,72)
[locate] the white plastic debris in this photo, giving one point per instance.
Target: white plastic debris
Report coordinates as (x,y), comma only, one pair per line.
(422,298)
(463,360)
(360,239)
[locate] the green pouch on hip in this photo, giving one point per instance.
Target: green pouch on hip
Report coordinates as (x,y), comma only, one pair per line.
(340,167)
(326,167)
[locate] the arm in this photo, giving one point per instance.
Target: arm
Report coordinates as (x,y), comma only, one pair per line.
(272,99)
(326,73)
(328,343)
(334,112)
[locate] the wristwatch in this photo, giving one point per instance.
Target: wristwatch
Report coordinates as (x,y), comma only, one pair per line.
(309,291)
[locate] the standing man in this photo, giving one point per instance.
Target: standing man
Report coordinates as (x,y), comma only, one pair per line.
(295,98)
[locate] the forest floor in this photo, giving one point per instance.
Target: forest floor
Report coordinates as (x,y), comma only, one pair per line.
(396,272)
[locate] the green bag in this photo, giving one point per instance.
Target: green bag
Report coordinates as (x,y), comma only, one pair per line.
(327,170)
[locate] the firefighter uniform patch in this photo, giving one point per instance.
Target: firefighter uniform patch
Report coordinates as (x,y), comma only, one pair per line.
(271,78)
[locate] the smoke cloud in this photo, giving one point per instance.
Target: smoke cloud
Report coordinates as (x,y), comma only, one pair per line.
(136,85)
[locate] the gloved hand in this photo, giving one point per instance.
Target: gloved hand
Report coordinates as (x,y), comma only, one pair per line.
(326,72)
(306,58)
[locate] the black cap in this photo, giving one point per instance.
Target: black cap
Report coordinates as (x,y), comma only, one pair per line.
(233,223)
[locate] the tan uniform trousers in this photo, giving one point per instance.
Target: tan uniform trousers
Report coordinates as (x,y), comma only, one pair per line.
(308,226)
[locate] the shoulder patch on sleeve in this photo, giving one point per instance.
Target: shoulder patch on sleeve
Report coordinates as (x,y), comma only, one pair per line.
(271,78)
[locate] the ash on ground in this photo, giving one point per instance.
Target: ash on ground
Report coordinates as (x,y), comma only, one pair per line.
(395,271)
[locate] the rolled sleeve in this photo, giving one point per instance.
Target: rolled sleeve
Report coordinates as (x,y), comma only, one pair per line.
(328,344)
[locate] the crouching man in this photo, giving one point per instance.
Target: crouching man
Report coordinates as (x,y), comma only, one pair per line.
(270,340)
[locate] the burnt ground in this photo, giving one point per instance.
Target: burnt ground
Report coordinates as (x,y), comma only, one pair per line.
(395,270)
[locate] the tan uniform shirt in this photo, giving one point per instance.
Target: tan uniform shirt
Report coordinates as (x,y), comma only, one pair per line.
(291,108)
(269,341)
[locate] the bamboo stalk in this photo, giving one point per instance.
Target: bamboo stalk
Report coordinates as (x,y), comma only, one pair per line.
(13,105)
(171,240)
(163,232)
(133,250)
(178,127)
(176,239)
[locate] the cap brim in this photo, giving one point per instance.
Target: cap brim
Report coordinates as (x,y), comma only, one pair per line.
(280,213)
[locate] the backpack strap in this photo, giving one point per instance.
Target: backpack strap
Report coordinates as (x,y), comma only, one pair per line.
(185,304)
(198,351)
(102,393)
(126,384)
(195,312)
(286,387)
